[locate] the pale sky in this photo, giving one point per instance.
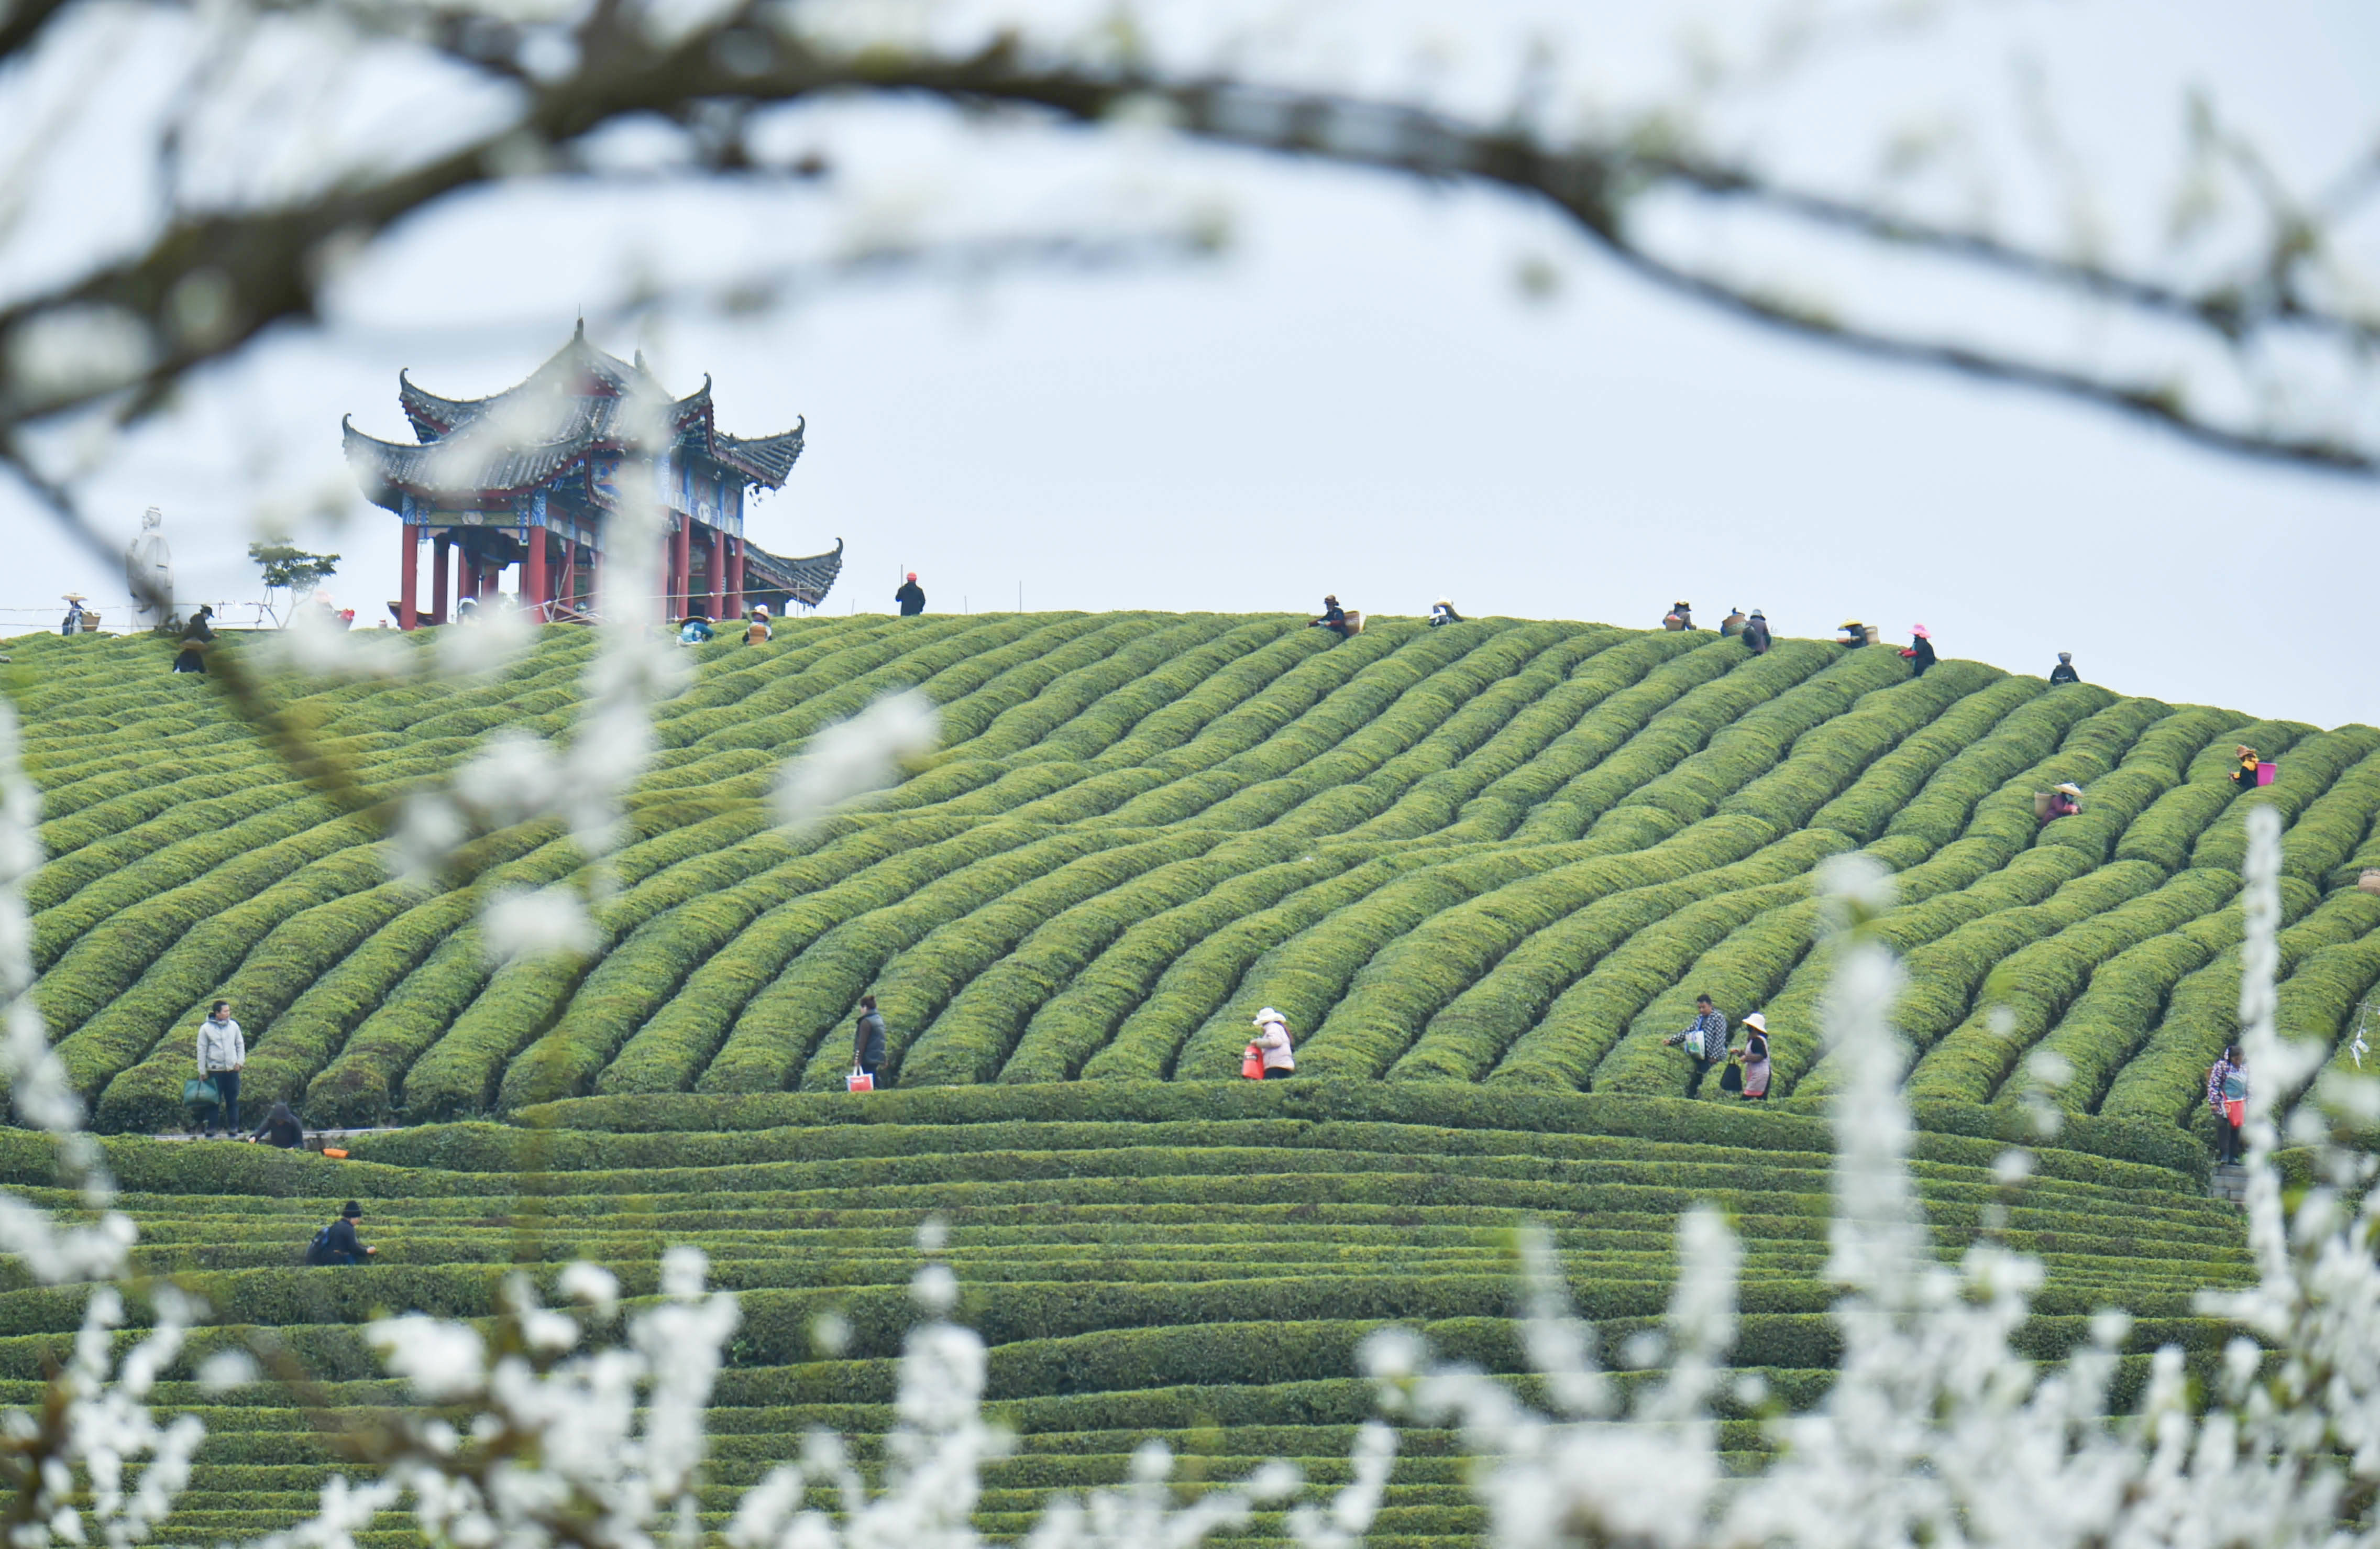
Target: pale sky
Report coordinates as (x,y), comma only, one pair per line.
(1356,397)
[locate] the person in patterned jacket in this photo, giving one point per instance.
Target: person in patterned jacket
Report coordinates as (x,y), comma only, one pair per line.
(2227,1094)
(1704,1039)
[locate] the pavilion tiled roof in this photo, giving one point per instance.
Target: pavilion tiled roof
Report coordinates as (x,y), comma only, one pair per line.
(806,579)
(574,405)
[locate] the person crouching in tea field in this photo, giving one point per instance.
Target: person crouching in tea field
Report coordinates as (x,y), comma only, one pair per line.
(1271,1046)
(337,1243)
(196,636)
(2065,801)
(1920,651)
(281,1129)
(2227,1094)
(2245,775)
(1680,616)
(2064,671)
(1754,1055)
(223,1053)
(1442,612)
(1756,632)
(867,1043)
(1704,1039)
(1733,623)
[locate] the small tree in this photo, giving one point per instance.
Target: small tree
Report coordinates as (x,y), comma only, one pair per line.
(291,569)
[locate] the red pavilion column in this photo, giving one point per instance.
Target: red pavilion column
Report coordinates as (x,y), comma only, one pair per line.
(438,546)
(681,566)
(534,592)
(735,573)
(715,570)
(408,579)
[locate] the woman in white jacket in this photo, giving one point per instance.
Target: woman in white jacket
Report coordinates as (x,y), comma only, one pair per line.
(1273,1045)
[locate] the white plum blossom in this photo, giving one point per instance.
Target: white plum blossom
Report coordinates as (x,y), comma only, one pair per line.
(856,758)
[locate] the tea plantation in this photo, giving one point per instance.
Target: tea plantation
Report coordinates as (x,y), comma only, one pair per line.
(1192,1262)
(1482,869)
(1507,853)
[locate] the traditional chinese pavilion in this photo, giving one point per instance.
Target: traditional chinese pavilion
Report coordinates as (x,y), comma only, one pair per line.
(529,476)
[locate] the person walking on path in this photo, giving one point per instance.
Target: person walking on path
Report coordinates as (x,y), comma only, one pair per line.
(1704,1039)
(2227,1094)
(1920,651)
(1272,1046)
(2064,671)
(337,1243)
(196,636)
(223,1053)
(1754,1056)
(912,597)
(1756,632)
(281,1129)
(867,1043)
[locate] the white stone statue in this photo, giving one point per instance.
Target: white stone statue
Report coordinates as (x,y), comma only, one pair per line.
(149,570)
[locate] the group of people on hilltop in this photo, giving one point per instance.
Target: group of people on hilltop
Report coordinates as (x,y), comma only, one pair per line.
(695,627)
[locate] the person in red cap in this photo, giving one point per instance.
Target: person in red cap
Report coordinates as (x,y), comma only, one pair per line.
(912,597)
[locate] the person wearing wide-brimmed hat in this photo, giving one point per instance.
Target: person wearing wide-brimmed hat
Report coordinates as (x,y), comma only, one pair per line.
(2065,801)
(1442,612)
(1754,1055)
(1333,616)
(1271,1047)
(1920,651)
(2245,775)
(73,623)
(1854,633)
(758,632)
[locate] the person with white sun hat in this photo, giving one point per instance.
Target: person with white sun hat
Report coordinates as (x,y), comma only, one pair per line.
(1754,1054)
(1271,1048)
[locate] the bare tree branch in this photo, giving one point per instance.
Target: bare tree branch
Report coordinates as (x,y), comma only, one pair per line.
(268,264)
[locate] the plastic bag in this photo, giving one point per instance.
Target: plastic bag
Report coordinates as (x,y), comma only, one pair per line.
(858,1081)
(1252,1064)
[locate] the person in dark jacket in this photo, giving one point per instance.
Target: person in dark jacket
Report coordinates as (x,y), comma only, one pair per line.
(2245,775)
(1854,633)
(1756,632)
(1333,618)
(1680,616)
(196,637)
(912,597)
(2064,671)
(867,1043)
(281,1129)
(337,1243)
(1920,651)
